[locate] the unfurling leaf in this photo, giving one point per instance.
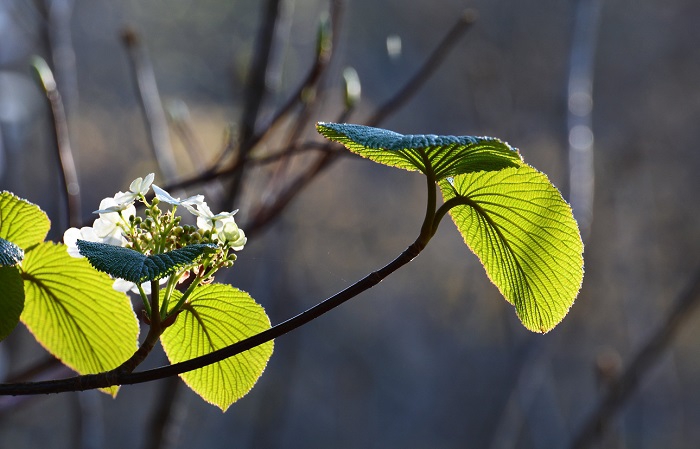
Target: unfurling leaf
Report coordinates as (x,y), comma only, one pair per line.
(216,316)
(74,313)
(10,254)
(526,237)
(442,156)
(130,265)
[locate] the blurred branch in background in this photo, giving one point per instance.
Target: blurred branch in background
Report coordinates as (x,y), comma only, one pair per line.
(66,164)
(151,105)
(268,212)
(435,59)
(308,97)
(532,403)
(622,388)
(56,34)
(255,93)
(533,383)
(580,110)
(163,429)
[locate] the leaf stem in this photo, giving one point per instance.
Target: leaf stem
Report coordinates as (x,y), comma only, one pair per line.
(442,211)
(155,304)
(144,298)
(186,295)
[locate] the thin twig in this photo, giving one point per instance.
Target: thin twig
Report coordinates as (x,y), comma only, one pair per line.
(388,108)
(255,94)
(434,61)
(308,95)
(313,78)
(69,175)
(117,377)
(267,213)
(164,423)
(621,389)
(151,105)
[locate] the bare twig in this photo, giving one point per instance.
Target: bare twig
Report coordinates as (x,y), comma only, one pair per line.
(308,94)
(426,70)
(179,115)
(69,175)
(60,46)
(398,100)
(151,105)
(622,388)
(267,213)
(164,424)
(118,377)
(323,58)
(255,94)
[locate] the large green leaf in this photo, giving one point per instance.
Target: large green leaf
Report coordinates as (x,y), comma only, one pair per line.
(22,222)
(125,263)
(216,316)
(11,299)
(74,313)
(10,254)
(526,237)
(442,155)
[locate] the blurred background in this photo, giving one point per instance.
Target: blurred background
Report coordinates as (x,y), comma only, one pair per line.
(602,96)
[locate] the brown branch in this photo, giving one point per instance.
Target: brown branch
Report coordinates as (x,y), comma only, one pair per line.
(324,55)
(256,90)
(399,99)
(434,61)
(151,105)
(117,377)
(622,389)
(69,175)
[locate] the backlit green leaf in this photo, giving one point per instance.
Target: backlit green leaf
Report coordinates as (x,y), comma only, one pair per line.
(10,254)
(74,313)
(22,222)
(216,316)
(525,235)
(125,263)
(11,299)
(441,155)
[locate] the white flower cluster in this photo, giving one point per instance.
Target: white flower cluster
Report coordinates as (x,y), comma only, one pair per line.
(114,220)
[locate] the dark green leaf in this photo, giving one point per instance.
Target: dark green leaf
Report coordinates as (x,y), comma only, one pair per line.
(443,156)
(135,267)
(11,299)
(10,254)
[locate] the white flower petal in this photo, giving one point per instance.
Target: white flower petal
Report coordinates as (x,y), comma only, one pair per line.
(164,196)
(123,286)
(187,203)
(140,186)
(72,235)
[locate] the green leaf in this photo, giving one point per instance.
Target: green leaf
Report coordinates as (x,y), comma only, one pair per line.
(442,156)
(74,313)
(10,254)
(11,299)
(22,222)
(526,237)
(125,263)
(216,316)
